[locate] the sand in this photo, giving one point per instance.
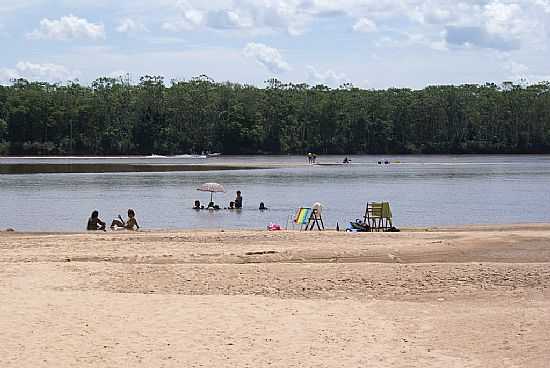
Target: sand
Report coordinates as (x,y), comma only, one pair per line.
(475,296)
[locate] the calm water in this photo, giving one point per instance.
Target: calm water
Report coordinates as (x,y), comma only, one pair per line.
(422,190)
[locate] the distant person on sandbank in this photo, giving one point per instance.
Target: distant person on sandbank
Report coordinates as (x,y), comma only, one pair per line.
(262,207)
(130,224)
(95,223)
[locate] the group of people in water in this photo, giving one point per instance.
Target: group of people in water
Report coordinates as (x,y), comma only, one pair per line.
(95,223)
(237,204)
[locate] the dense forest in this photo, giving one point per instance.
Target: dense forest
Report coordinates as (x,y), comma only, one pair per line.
(116,117)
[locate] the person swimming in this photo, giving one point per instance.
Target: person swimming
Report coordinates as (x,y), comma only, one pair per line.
(197,205)
(95,223)
(129,224)
(212,206)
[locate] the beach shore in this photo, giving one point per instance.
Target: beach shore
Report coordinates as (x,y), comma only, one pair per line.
(475,296)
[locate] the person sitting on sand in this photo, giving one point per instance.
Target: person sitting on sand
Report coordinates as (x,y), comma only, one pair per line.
(129,224)
(197,205)
(262,207)
(95,223)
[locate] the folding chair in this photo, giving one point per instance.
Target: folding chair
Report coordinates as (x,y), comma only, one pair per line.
(308,217)
(378,216)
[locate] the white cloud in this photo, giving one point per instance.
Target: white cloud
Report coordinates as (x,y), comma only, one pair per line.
(229,19)
(365,25)
(128,25)
(267,56)
(37,72)
(292,16)
(327,77)
(68,28)
(188,19)
(504,19)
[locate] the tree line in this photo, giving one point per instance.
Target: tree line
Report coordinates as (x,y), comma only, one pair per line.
(113,116)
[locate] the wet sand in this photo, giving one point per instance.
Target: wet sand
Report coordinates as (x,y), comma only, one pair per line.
(474,296)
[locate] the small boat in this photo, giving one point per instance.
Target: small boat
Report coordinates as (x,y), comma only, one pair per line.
(215,154)
(188,156)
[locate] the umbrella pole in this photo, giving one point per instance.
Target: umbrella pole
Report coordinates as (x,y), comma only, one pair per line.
(211,193)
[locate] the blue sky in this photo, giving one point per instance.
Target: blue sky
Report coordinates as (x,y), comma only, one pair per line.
(369,43)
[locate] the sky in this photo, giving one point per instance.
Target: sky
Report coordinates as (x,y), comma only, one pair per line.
(371,44)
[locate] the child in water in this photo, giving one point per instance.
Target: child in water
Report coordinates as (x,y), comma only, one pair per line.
(128,225)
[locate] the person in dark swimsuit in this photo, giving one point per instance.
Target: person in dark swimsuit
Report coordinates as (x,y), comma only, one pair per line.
(95,223)
(239,200)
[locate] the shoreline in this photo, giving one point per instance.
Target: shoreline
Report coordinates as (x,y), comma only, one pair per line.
(528,226)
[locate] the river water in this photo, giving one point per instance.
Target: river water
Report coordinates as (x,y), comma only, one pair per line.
(422,191)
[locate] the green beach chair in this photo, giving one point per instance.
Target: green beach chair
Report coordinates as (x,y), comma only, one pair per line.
(378,216)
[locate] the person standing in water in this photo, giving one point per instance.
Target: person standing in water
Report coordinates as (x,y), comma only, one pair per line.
(239,200)
(95,223)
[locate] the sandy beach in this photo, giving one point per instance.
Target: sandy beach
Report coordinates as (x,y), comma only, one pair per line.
(474,296)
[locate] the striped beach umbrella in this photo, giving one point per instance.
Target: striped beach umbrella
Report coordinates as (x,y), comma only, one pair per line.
(212,188)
